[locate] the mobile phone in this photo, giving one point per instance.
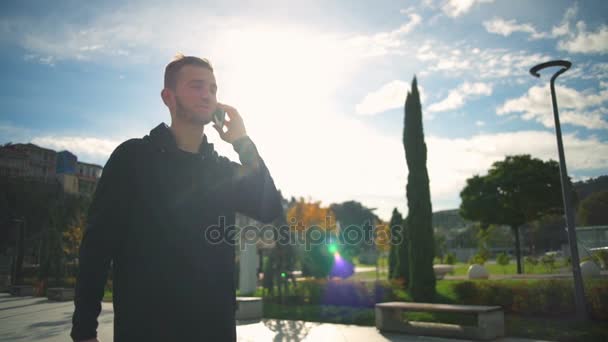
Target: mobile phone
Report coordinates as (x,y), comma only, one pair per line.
(218,117)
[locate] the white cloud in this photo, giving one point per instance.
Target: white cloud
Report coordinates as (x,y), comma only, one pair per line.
(390,96)
(563,28)
(579,40)
(479,123)
(576,108)
(382,43)
(91,150)
(456,8)
(452,161)
(457,97)
(586,42)
(453,60)
(507,27)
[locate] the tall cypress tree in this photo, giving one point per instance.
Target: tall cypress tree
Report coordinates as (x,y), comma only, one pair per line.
(395,229)
(419,225)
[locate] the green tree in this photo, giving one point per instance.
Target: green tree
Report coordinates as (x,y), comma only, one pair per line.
(503,260)
(395,229)
(352,215)
(593,210)
(419,221)
(516,190)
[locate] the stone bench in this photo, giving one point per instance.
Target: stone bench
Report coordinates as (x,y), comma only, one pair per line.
(441,270)
(60,293)
(22,290)
(248,308)
(490,320)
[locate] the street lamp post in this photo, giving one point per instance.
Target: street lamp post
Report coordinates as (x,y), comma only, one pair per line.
(19,251)
(579,291)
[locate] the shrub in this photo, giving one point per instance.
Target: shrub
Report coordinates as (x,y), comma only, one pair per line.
(478,259)
(541,297)
(548,260)
(503,260)
(602,257)
(340,293)
(449,259)
(530,262)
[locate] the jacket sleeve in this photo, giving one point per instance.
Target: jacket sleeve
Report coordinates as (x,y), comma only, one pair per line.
(254,193)
(99,244)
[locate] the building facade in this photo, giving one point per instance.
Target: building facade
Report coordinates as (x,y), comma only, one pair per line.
(88,175)
(32,161)
(28,160)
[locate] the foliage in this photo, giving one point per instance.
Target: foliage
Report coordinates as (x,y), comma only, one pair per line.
(310,220)
(47,212)
(353,216)
(316,259)
(544,297)
(419,223)
(503,260)
(395,227)
(440,244)
(449,259)
(548,260)
(593,211)
(602,257)
(516,190)
(531,262)
(478,259)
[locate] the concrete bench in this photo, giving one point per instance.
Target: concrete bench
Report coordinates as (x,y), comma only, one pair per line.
(249,308)
(22,290)
(60,293)
(490,320)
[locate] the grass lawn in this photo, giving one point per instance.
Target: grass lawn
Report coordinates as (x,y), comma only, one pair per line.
(370,275)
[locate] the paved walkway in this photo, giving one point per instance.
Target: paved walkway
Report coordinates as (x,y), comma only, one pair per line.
(38,319)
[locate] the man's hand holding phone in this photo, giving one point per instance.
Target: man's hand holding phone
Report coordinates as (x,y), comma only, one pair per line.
(233,123)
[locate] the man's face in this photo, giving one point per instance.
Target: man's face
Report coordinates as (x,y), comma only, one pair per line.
(195,94)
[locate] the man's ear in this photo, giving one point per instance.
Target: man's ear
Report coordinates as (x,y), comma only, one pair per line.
(167,97)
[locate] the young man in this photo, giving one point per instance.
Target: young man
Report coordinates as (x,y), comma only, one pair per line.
(161,215)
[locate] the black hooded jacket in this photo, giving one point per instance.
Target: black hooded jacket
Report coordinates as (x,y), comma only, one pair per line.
(162,216)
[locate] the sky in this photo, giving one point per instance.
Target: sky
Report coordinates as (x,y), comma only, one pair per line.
(320,84)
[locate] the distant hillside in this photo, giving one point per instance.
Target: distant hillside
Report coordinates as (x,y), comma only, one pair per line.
(449,219)
(586,188)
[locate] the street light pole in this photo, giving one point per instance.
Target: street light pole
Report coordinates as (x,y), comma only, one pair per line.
(579,291)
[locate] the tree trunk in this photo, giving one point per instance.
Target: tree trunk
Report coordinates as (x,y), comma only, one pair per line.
(517,249)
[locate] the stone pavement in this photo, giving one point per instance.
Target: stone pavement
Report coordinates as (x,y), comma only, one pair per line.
(38,319)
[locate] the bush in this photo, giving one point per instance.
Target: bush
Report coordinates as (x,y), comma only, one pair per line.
(503,260)
(449,259)
(339,292)
(530,262)
(541,297)
(548,260)
(602,257)
(478,259)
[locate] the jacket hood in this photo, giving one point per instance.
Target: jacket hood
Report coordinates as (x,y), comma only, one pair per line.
(163,139)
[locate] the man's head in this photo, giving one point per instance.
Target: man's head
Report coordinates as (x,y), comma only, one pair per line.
(190,90)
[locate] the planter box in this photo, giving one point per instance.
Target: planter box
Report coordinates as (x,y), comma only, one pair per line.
(60,294)
(249,308)
(22,290)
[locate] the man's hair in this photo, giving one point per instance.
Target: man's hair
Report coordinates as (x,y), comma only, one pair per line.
(173,68)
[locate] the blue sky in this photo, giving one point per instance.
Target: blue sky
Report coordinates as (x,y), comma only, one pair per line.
(320,84)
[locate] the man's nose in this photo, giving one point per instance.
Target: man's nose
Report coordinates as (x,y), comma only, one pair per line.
(206,93)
